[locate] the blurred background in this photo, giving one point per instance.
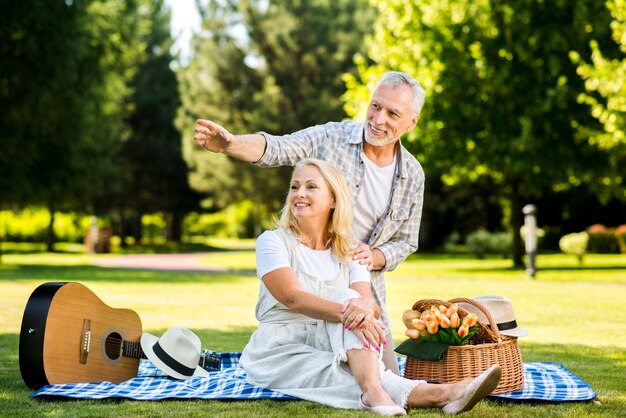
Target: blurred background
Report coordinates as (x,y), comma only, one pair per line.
(526,104)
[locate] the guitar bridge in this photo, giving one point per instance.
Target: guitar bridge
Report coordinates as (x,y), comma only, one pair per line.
(85,344)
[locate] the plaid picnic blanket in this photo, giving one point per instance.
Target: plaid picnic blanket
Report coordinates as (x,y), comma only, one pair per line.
(542,382)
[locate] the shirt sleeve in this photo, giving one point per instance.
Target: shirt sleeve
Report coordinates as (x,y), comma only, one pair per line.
(271,253)
(358,272)
(291,148)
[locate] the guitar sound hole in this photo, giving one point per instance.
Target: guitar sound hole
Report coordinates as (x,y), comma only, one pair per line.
(113,346)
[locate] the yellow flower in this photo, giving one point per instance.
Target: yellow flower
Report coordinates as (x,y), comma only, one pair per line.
(454,308)
(418,324)
(412,333)
(470,320)
(463,330)
(455,320)
(445,322)
(432,327)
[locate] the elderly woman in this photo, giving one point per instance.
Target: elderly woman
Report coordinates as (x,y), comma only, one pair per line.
(319,337)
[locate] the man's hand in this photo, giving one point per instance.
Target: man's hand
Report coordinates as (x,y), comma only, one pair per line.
(364,255)
(213,137)
(373,258)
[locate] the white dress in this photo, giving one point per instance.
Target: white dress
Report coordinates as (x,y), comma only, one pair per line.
(304,357)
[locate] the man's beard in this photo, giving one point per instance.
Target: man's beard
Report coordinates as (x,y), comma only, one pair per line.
(377,142)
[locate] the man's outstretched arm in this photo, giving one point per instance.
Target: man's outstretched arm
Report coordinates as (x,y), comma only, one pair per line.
(216,138)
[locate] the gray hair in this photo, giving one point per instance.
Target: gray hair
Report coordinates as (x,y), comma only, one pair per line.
(394,79)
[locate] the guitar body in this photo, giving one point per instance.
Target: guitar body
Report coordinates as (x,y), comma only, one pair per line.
(69,335)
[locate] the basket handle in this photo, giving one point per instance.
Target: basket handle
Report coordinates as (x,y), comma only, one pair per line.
(492,324)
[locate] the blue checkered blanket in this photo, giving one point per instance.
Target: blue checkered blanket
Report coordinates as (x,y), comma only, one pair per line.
(542,382)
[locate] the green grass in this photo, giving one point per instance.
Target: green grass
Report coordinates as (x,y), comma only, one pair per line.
(575,317)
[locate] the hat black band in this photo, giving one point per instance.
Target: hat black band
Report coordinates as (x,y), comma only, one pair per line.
(503,326)
(171,362)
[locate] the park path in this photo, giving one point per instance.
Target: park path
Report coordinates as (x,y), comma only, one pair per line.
(174,262)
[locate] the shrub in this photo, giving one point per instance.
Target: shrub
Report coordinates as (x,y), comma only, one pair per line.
(451,242)
(240,220)
(153,227)
(602,240)
(501,243)
(478,243)
(620,236)
(31,225)
(576,244)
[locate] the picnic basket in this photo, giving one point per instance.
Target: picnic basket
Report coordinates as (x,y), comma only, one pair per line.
(468,361)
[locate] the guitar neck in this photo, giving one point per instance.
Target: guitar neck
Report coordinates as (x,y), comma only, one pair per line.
(132,349)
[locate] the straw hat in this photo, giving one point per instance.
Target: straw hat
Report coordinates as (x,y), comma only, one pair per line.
(501,310)
(176,353)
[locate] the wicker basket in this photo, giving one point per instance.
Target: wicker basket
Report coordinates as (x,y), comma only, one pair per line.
(468,361)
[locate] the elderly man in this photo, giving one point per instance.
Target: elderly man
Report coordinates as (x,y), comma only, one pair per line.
(386,181)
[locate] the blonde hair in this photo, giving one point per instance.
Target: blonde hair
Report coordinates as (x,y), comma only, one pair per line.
(339,231)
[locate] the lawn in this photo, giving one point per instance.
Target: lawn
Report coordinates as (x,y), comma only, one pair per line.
(575,317)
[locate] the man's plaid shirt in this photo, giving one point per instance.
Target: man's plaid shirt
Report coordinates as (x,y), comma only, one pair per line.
(341,143)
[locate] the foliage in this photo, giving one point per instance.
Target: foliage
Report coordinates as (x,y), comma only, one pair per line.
(480,243)
(64,82)
(155,174)
(265,66)
(30,225)
(602,240)
(243,219)
(605,80)
(620,235)
(502,91)
(575,243)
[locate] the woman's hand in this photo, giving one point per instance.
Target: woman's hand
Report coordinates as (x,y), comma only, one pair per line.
(371,333)
(359,315)
(357,310)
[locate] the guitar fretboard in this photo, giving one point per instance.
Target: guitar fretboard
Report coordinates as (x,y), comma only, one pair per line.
(132,349)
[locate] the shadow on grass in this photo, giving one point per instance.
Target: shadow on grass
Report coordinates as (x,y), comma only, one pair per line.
(85,273)
(539,269)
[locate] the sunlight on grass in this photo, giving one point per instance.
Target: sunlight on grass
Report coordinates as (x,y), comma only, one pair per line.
(575,318)
(230,243)
(553,267)
(234,260)
(52,259)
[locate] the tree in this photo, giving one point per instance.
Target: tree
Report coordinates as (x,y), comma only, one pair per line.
(64,77)
(156,174)
(265,66)
(605,80)
(502,91)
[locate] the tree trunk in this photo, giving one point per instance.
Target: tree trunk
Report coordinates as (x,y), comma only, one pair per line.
(50,237)
(121,215)
(174,227)
(516,224)
(137,228)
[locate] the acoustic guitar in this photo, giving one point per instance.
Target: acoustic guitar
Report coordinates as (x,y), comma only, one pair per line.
(69,335)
